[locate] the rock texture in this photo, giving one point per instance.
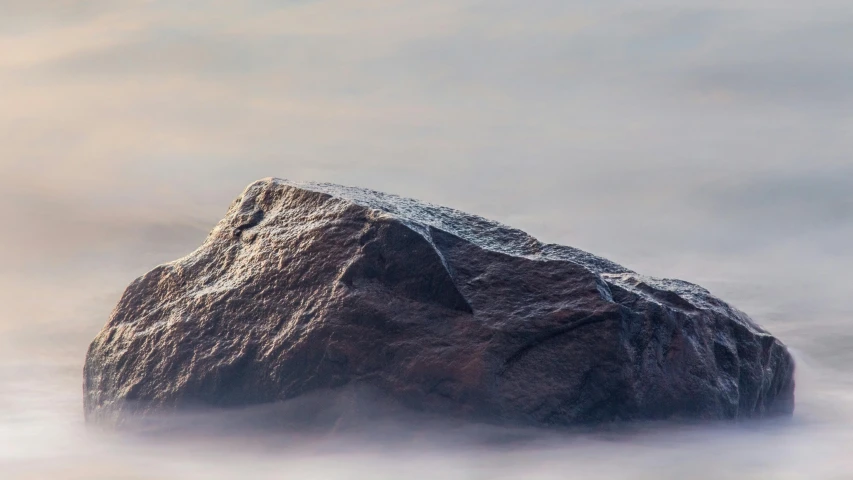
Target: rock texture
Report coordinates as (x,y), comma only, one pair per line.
(306,287)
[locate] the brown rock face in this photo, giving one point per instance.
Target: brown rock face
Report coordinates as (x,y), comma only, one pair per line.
(309,287)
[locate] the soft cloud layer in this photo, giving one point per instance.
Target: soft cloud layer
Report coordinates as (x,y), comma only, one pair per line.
(137,95)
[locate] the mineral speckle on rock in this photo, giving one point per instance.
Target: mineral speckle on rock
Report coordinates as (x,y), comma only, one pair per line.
(305,288)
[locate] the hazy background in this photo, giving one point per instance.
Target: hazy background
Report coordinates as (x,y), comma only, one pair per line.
(709,142)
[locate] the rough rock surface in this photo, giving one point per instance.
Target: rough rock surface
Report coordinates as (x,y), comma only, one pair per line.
(305,287)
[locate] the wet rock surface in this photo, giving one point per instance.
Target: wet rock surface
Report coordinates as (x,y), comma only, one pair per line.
(304,288)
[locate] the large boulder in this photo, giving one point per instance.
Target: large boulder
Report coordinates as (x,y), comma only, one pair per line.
(306,288)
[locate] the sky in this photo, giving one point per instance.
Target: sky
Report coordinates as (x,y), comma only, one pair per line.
(709,141)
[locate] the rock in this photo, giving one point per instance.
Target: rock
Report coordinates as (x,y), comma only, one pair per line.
(306,288)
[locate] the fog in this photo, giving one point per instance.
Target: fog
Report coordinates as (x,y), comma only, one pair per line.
(709,142)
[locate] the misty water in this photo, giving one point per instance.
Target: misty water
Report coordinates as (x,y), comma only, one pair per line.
(710,143)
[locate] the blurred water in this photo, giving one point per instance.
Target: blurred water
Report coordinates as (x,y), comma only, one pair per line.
(710,142)
(42,437)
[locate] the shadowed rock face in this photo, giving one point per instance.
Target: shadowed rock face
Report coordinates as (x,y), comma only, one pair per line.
(306,287)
